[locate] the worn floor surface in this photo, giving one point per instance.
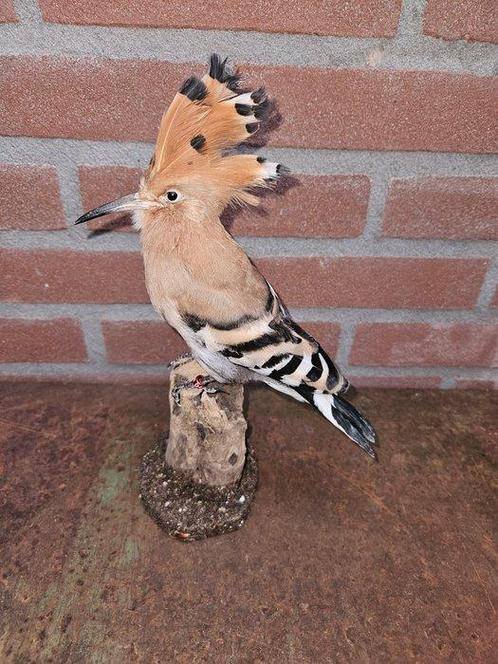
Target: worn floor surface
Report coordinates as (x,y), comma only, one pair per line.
(341,560)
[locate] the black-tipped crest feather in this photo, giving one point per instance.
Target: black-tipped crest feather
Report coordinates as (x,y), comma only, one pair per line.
(283,170)
(194,89)
(259,95)
(244,109)
(262,108)
(219,70)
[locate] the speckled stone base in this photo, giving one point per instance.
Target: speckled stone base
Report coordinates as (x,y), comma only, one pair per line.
(191,511)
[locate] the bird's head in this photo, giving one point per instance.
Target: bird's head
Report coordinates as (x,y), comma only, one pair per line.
(167,200)
(192,174)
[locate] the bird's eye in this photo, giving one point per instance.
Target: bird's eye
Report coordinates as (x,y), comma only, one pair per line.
(172,195)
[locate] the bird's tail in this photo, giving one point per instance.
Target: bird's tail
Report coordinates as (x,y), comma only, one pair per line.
(346,418)
(336,410)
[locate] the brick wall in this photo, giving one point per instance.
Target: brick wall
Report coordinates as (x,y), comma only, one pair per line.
(390,126)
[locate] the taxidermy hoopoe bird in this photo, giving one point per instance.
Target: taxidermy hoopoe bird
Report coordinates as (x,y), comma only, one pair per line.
(198,278)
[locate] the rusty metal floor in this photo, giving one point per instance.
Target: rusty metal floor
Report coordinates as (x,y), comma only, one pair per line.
(341,560)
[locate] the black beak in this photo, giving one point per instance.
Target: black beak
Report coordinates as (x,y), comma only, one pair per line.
(127,203)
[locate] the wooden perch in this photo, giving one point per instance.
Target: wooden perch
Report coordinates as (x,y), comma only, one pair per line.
(207,431)
(201,481)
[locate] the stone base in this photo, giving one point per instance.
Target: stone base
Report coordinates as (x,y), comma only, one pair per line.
(189,510)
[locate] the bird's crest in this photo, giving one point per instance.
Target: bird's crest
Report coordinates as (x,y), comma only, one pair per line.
(206,117)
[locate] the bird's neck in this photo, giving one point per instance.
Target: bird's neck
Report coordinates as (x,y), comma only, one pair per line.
(192,265)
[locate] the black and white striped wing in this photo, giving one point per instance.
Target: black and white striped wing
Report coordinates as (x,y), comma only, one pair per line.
(275,347)
(288,354)
(288,359)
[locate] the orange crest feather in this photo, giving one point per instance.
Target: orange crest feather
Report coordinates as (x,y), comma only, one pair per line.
(204,119)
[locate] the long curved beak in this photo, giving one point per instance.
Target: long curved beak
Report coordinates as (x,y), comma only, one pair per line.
(130,202)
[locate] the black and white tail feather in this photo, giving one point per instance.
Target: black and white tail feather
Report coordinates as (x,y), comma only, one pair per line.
(336,410)
(332,406)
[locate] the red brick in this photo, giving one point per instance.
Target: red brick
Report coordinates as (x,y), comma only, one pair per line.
(96,376)
(336,206)
(59,340)
(71,276)
(30,198)
(327,334)
(474,20)
(416,382)
(494,303)
(377,18)
(7,12)
(111,277)
(314,206)
(391,283)
(106,183)
(448,208)
(322,108)
(425,345)
(141,342)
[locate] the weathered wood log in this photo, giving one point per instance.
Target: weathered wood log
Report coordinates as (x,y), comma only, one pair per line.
(207,432)
(202,479)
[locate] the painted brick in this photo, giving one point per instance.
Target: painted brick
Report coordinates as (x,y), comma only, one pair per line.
(425,345)
(71,276)
(448,208)
(473,20)
(105,183)
(415,382)
(7,12)
(377,18)
(141,342)
(112,277)
(155,342)
(327,334)
(59,340)
(474,384)
(336,206)
(391,283)
(89,377)
(30,198)
(371,110)
(311,206)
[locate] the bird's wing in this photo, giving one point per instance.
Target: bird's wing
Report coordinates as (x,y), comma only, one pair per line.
(288,359)
(273,346)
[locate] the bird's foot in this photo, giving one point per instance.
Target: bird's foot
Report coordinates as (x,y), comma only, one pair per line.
(207,384)
(202,383)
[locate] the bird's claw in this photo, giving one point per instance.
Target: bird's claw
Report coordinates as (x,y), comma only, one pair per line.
(214,390)
(205,383)
(199,382)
